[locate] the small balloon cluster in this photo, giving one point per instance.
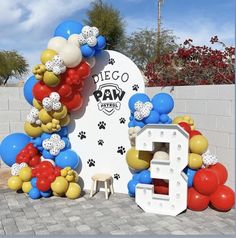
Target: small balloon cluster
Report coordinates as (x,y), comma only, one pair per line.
(42,161)
(206,176)
(145,111)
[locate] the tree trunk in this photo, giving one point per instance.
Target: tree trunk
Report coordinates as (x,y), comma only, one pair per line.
(6,79)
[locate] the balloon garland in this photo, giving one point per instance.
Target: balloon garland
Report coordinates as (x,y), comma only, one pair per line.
(42,162)
(206,176)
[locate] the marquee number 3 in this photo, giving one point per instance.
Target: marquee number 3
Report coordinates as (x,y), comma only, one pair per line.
(171,169)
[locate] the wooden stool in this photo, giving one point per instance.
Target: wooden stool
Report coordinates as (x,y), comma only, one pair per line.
(102,178)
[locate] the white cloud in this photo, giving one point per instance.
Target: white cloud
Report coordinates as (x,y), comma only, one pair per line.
(27,25)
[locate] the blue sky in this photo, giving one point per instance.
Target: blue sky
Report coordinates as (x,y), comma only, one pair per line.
(27,25)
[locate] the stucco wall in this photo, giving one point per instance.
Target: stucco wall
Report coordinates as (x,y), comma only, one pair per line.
(212,107)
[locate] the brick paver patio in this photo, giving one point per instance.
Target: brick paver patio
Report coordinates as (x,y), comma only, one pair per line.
(118,215)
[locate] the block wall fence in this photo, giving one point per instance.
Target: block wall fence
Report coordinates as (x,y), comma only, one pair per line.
(212,107)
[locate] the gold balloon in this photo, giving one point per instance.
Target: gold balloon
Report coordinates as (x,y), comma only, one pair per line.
(138,160)
(25,174)
(198,144)
(73,191)
(186,119)
(194,161)
(50,79)
(60,185)
(65,121)
(32,130)
(14,183)
(37,104)
(60,114)
(44,116)
(26,187)
(45,129)
(47,55)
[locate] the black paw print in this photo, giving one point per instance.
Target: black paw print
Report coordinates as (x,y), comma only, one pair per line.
(82,135)
(116,176)
(100,142)
(121,150)
(111,61)
(122,120)
(135,87)
(102,125)
(91,162)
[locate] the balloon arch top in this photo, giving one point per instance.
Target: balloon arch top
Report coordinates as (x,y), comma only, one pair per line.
(42,161)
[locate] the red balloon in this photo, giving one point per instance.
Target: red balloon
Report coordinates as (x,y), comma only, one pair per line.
(74,103)
(196,200)
(220,171)
(21,158)
(46,165)
(185,126)
(32,152)
(51,177)
(205,181)
(64,90)
(161,187)
(57,171)
(30,146)
(223,198)
(43,184)
(84,70)
(35,161)
(40,91)
(194,133)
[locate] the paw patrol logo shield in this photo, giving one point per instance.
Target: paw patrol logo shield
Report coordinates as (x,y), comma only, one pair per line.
(109,97)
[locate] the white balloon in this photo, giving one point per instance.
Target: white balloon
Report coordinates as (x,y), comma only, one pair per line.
(161,155)
(57,43)
(71,55)
(91,61)
(74,39)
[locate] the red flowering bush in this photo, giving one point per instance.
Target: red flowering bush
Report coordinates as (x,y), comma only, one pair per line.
(193,65)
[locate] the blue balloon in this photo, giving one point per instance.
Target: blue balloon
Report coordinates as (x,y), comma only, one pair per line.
(190,174)
(134,123)
(87,51)
(136,176)
(63,132)
(163,103)
(131,186)
(33,182)
(34,193)
(131,194)
(101,44)
(67,158)
(45,136)
(145,177)
(28,89)
(37,142)
(169,121)
(153,118)
(137,97)
(11,146)
(68,28)
(47,155)
(67,143)
(164,118)
(46,194)
(97,52)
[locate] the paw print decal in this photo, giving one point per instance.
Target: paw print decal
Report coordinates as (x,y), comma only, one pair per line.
(82,135)
(91,162)
(121,150)
(111,61)
(102,125)
(116,176)
(122,120)
(135,87)
(100,142)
